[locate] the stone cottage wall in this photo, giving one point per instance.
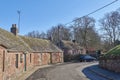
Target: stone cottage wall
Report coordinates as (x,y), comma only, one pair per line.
(37,59)
(57,57)
(14,66)
(45,58)
(30,60)
(2,52)
(110,62)
(12,63)
(61,56)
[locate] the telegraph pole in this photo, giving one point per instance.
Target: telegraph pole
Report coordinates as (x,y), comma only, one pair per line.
(58,36)
(18,20)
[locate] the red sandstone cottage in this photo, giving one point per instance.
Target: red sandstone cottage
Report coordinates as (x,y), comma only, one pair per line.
(20,53)
(71,49)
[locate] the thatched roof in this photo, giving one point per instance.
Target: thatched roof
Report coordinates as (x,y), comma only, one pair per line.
(40,45)
(20,43)
(70,45)
(13,42)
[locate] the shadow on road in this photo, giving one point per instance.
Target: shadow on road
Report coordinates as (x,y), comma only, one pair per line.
(91,75)
(94,72)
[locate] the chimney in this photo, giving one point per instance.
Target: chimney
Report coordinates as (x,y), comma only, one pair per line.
(73,41)
(14,29)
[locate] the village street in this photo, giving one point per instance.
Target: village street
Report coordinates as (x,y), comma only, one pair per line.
(69,71)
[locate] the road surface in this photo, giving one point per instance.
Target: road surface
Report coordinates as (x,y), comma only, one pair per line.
(69,71)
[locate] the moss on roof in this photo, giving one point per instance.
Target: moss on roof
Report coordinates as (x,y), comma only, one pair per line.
(114,51)
(13,42)
(21,43)
(71,45)
(40,45)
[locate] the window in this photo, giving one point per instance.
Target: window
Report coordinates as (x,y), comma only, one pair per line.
(16,63)
(30,58)
(21,58)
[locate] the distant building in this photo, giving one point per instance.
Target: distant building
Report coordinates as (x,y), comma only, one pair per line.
(71,49)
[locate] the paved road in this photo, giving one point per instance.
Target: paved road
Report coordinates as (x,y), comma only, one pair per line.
(71,71)
(93,76)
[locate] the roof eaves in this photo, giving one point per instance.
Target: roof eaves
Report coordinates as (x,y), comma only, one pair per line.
(3,46)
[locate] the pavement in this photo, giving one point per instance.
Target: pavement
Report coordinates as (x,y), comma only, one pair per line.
(26,74)
(108,75)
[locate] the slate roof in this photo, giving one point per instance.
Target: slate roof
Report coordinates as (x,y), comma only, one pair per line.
(21,43)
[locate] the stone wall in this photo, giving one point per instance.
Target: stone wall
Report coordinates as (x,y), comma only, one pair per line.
(12,69)
(46,58)
(14,63)
(2,49)
(37,59)
(110,63)
(56,58)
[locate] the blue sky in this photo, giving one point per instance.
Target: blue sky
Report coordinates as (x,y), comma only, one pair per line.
(41,15)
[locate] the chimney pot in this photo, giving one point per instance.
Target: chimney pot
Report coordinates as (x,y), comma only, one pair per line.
(14,29)
(73,41)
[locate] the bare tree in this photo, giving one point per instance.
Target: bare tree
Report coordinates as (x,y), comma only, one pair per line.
(36,34)
(43,35)
(83,30)
(110,25)
(93,39)
(59,32)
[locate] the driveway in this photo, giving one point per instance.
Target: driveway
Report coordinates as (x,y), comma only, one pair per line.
(67,71)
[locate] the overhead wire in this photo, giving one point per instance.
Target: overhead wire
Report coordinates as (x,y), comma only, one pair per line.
(94,11)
